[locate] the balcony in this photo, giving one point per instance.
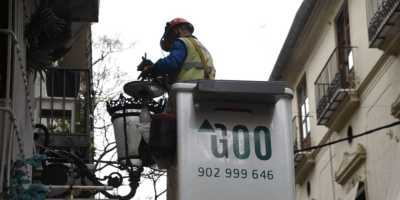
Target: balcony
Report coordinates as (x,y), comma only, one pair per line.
(382,16)
(64,106)
(303,160)
(299,142)
(334,82)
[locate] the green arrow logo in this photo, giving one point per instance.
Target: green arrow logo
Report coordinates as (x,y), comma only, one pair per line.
(206,127)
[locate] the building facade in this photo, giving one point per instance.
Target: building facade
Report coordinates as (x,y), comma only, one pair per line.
(341,59)
(30,102)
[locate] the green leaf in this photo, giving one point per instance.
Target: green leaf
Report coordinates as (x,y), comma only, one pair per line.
(90,144)
(33,162)
(41,196)
(20,188)
(91,134)
(78,151)
(18,177)
(26,196)
(13,193)
(25,181)
(36,156)
(20,173)
(43,157)
(30,161)
(46,190)
(36,187)
(19,163)
(80,128)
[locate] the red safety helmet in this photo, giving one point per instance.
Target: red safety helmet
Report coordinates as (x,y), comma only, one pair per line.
(165,45)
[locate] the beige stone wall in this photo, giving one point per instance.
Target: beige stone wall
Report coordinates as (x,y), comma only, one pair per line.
(378,88)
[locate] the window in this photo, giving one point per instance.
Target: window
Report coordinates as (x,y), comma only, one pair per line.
(361,191)
(350,135)
(304,113)
(346,63)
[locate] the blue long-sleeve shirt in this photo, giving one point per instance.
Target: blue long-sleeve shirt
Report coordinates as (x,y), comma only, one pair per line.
(173,62)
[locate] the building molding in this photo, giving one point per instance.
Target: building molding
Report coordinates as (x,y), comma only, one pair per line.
(391,43)
(353,182)
(304,168)
(329,136)
(373,77)
(350,163)
(344,112)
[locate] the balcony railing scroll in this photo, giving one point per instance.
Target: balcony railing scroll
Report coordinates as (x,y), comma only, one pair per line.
(381,15)
(296,133)
(335,80)
(66,110)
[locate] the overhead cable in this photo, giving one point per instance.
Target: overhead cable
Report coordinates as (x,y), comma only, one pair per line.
(351,137)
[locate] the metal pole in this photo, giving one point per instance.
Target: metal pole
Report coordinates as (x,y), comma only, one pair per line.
(40,102)
(76,97)
(78,187)
(126,138)
(8,84)
(13,132)
(8,87)
(4,147)
(63,122)
(52,101)
(91,107)
(87,108)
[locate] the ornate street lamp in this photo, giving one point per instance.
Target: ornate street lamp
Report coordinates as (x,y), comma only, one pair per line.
(133,152)
(126,114)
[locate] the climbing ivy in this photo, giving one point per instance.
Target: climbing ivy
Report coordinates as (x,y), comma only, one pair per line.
(17,191)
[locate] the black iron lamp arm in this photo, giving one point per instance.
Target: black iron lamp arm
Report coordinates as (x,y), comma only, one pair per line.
(134,178)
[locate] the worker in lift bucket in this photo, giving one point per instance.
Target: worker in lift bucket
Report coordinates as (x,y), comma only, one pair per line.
(188,60)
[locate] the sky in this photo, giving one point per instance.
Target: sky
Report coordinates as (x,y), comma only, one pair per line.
(244,37)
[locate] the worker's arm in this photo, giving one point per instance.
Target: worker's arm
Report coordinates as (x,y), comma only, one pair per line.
(173,62)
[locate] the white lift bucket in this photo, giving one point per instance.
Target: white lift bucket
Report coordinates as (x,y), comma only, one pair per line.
(234,141)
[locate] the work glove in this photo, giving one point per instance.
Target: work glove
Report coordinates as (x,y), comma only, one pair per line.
(145,62)
(145,72)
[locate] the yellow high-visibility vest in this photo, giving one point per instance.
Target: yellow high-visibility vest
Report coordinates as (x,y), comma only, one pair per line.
(193,67)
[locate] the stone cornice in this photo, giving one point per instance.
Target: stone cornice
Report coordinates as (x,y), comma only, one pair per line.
(311,38)
(344,112)
(391,43)
(351,162)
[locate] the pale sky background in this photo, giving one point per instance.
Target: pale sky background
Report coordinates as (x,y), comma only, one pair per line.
(243,37)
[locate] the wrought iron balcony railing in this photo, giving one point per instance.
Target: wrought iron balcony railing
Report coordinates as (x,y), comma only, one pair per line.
(335,80)
(65,110)
(296,145)
(381,15)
